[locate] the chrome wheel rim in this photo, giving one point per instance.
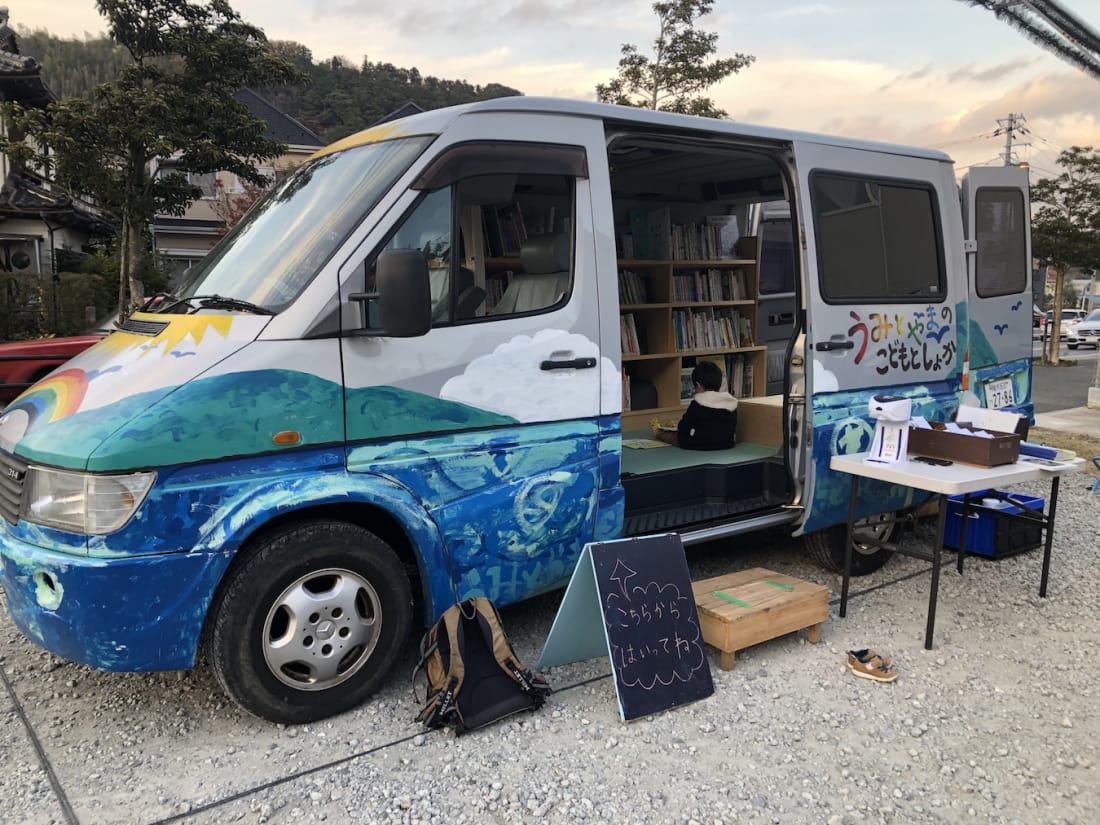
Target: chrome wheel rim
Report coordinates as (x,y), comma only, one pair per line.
(322,629)
(875,527)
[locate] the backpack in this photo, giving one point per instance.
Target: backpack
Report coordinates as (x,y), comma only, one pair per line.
(473,675)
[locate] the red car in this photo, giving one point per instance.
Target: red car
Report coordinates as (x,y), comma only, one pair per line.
(23,363)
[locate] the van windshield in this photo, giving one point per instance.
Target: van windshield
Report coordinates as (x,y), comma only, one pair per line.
(282,243)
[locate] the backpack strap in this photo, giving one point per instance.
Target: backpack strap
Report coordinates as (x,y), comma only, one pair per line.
(441,707)
(503,653)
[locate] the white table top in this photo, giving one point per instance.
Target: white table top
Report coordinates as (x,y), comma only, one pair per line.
(951,480)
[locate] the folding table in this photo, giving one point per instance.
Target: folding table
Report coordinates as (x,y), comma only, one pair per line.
(944,481)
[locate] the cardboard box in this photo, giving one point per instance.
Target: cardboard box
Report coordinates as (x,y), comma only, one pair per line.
(937,442)
(760,420)
(991,532)
(746,247)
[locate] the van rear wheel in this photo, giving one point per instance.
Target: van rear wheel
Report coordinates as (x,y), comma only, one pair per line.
(311,622)
(826,547)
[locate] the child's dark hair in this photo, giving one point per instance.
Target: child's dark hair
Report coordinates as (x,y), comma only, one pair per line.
(708,375)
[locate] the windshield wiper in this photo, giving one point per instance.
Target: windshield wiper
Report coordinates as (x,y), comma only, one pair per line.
(166,302)
(222,302)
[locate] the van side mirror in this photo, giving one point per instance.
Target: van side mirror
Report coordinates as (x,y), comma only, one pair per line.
(402,297)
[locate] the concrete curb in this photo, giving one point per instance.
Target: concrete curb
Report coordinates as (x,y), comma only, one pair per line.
(1077,419)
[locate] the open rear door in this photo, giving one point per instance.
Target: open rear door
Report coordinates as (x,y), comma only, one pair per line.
(998,242)
(885,290)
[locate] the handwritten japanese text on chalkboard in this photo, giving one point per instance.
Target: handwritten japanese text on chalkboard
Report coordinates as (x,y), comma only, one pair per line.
(672,649)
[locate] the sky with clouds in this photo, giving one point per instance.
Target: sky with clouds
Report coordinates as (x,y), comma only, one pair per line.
(935,73)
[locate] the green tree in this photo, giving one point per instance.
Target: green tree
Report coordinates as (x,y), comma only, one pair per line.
(680,70)
(173,99)
(1065,224)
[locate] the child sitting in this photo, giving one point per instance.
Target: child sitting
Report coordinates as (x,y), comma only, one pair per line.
(710,421)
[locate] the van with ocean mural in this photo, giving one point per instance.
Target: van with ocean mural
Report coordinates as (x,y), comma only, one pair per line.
(431,365)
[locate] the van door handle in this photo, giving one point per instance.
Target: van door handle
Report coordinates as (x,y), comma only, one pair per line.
(827,346)
(572,364)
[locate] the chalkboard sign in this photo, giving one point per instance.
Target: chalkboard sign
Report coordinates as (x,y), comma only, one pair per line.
(639,592)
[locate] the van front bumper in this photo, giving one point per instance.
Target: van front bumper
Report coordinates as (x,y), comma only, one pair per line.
(120,614)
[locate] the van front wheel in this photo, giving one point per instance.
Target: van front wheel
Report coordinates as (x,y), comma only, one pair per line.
(826,547)
(311,622)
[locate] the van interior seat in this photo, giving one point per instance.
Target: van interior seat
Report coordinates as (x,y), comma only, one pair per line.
(545,278)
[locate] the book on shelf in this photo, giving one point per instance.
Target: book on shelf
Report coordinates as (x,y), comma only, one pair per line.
(722,236)
(626,391)
(639,232)
(512,229)
(628,334)
(494,245)
(632,288)
(744,331)
(659,226)
(737,375)
(747,382)
(687,386)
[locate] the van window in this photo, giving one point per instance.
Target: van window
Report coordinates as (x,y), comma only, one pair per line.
(776,256)
(528,245)
(878,240)
(1000,228)
(496,245)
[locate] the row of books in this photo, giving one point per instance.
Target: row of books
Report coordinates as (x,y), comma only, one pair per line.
(697,329)
(711,285)
(710,241)
(632,288)
(505,229)
(652,235)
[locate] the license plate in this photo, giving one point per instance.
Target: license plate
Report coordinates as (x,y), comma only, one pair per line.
(999,394)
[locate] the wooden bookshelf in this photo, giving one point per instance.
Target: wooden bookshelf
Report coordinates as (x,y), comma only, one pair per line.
(675,311)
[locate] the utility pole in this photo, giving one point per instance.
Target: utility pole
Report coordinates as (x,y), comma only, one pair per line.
(1009,127)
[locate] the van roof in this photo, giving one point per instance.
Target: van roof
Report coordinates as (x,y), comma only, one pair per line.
(436,120)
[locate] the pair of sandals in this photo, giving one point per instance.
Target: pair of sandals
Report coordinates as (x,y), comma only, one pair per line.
(866,664)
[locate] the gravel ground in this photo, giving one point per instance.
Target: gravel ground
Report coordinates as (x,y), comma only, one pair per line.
(997,724)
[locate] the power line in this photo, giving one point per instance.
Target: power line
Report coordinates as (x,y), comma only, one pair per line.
(1052,27)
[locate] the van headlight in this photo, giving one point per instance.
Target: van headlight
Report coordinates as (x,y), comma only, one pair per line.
(85,503)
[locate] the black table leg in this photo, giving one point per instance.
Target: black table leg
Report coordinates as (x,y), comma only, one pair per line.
(937,554)
(1048,528)
(848,546)
(962,532)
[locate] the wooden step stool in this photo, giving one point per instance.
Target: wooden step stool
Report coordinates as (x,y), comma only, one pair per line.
(739,610)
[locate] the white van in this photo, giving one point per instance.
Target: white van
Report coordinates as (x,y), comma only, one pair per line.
(424,366)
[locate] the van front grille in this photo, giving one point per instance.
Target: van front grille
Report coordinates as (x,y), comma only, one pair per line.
(150,328)
(13,473)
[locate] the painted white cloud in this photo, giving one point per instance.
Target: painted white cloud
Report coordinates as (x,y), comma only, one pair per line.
(509,381)
(824,380)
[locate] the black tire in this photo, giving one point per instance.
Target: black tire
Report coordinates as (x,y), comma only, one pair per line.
(353,618)
(1071,346)
(826,547)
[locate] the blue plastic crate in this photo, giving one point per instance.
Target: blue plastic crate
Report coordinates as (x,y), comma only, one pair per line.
(989,533)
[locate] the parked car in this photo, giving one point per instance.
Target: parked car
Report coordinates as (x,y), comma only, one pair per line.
(1086,333)
(24,363)
(1070,318)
